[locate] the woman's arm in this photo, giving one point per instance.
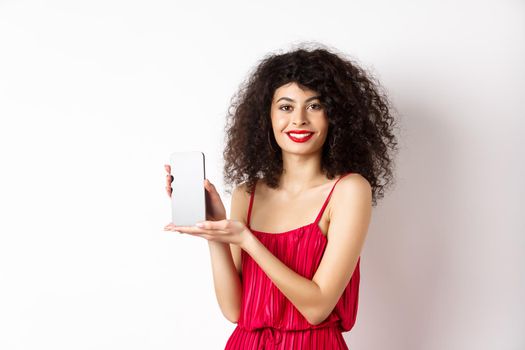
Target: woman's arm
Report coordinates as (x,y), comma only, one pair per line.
(226,269)
(350,216)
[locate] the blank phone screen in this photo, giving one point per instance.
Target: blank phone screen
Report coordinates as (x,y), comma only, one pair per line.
(188,201)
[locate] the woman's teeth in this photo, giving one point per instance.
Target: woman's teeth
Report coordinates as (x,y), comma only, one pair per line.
(300,136)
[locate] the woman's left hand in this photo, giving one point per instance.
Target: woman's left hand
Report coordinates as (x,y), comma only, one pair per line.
(224,231)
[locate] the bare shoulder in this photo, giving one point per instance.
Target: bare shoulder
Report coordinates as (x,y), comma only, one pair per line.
(241,189)
(239,203)
(353,189)
(354,182)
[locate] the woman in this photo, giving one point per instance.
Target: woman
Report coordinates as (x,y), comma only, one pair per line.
(286,263)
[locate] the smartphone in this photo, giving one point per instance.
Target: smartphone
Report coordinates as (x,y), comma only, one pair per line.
(188,196)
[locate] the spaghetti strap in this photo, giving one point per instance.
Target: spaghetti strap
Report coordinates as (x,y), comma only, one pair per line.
(250,206)
(328,198)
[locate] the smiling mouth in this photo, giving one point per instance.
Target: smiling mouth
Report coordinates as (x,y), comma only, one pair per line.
(303,137)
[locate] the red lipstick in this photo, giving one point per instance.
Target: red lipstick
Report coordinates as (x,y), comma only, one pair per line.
(301,138)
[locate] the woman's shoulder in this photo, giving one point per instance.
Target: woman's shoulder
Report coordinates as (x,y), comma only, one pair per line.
(355,180)
(352,187)
(239,202)
(241,191)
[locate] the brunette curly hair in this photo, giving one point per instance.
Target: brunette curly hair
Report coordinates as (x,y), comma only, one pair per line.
(360,122)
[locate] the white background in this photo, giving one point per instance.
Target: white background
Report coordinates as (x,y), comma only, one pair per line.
(94,95)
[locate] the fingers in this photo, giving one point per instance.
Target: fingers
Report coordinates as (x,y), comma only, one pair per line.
(209,185)
(168,185)
(171,227)
(183,229)
(169,179)
(213,225)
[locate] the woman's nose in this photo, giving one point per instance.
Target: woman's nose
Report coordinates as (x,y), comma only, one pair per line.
(299,118)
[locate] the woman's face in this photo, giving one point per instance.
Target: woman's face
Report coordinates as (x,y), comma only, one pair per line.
(300,110)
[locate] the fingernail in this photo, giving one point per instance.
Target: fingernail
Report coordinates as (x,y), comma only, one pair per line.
(199,224)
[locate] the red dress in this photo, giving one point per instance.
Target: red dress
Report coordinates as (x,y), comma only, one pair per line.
(268,320)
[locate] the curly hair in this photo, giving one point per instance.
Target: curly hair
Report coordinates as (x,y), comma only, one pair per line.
(360,120)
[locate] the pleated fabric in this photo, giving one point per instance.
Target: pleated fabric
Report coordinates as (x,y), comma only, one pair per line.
(268,320)
(325,338)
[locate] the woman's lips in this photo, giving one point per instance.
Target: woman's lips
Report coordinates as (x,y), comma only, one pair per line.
(301,138)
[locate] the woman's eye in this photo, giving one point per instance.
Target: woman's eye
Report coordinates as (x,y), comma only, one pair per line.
(316,105)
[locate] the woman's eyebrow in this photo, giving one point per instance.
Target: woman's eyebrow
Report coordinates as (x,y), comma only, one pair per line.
(291,100)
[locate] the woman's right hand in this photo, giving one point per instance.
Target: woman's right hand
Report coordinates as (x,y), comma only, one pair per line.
(169,179)
(215,210)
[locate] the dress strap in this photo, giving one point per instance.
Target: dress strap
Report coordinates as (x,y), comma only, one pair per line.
(250,206)
(328,198)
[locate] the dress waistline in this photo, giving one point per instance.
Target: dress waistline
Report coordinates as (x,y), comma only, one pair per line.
(272,336)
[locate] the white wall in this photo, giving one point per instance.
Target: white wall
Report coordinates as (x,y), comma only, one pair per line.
(95,95)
